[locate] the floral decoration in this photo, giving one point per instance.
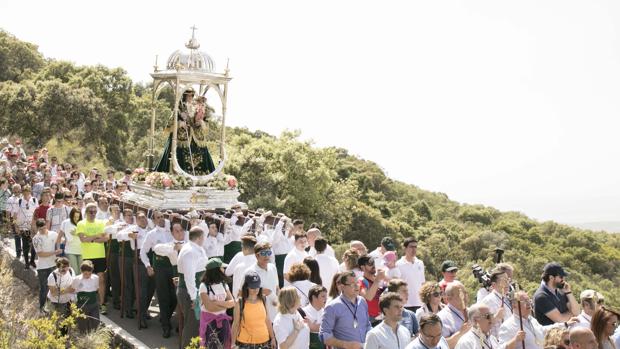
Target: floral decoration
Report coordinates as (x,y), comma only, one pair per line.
(164,180)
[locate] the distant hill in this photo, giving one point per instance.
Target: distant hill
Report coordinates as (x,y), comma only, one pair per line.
(610,227)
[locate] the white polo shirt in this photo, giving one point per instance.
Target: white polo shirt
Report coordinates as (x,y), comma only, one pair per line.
(328,267)
(413,274)
(283,326)
(383,337)
(495,301)
(294,257)
(473,340)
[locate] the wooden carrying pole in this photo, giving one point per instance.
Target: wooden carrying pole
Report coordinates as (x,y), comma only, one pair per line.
(520,321)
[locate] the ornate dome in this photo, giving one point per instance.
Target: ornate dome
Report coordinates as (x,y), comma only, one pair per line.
(191,59)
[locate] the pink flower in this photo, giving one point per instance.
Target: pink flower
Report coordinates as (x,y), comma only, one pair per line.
(167,182)
(232,182)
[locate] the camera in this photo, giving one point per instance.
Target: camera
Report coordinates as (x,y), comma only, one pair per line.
(483,276)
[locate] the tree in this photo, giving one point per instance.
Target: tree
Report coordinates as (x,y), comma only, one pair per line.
(18,59)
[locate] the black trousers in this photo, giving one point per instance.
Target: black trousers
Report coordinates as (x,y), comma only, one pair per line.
(18,245)
(190,324)
(114,277)
(27,248)
(166,294)
(147,289)
(128,287)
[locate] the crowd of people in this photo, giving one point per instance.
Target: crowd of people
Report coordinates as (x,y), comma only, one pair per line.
(256,285)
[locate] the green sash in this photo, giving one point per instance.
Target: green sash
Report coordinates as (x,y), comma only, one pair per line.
(161,262)
(87,298)
(114,246)
(315,341)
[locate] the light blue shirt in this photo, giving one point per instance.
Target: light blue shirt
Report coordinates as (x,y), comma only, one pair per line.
(339,318)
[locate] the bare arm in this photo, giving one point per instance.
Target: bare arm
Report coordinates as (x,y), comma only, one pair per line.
(61,234)
(48,254)
(512,344)
(235,324)
(556,316)
(270,329)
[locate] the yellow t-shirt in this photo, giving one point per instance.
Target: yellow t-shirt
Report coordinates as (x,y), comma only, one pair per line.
(91,250)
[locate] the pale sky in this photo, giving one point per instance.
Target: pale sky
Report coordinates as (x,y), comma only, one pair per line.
(509,104)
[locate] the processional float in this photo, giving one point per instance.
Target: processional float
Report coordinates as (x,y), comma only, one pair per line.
(185,177)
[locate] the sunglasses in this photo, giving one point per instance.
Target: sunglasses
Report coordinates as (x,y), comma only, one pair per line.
(435,294)
(92,212)
(265,253)
(487,316)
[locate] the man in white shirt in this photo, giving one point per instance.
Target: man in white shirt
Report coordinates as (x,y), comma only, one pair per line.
(430,334)
(192,263)
(298,254)
(133,237)
(479,337)
(102,208)
(312,235)
(241,263)
(453,316)
(412,271)
(314,313)
(165,262)
(268,276)
(23,210)
(44,243)
(58,213)
(389,334)
(387,244)
(158,235)
(534,335)
(234,246)
(282,241)
(113,225)
(328,265)
(11,208)
(215,242)
(591,301)
(496,301)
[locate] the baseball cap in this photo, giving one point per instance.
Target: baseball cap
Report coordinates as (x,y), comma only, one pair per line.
(252,279)
(448,266)
(554,269)
(591,294)
(214,263)
(388,243)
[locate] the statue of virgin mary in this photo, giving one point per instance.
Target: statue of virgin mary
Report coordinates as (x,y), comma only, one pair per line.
(192,153)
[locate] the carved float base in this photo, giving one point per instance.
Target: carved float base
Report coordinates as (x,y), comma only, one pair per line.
(199,198)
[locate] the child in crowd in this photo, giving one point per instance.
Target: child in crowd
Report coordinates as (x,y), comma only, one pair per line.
(86,285)
(389,262)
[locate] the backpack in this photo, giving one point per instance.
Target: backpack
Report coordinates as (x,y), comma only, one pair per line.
(34,201)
